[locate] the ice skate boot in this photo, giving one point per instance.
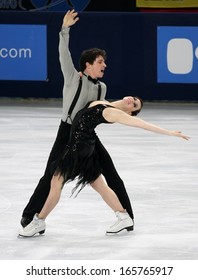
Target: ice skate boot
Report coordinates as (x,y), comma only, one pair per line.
(123,222)
(36,226)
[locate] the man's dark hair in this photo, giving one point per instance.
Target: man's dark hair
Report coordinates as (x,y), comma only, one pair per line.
(89,56)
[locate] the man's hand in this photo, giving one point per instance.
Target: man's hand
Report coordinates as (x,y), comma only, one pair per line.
(70,18)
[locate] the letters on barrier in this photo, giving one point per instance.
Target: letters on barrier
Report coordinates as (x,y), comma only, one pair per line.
(23,52)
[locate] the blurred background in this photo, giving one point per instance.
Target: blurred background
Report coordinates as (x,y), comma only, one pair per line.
(152,47)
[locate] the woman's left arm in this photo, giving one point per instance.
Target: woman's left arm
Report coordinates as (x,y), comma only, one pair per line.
(115,115)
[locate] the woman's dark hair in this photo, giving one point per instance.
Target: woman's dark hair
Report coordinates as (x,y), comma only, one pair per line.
(89,56)
(135,113)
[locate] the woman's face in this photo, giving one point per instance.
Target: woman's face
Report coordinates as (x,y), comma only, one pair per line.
(131,104)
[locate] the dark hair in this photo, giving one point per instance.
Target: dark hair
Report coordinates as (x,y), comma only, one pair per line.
(135,113)
(89,56)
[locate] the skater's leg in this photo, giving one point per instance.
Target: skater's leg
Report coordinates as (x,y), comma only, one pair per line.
(112,177)
(124,221)
(53,197)
(41,192)
(37,225)
(107,194)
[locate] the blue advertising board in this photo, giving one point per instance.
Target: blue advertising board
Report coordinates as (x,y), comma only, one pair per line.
(23,52)
(177,54)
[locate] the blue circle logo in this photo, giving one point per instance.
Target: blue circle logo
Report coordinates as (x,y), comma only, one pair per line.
(55,5)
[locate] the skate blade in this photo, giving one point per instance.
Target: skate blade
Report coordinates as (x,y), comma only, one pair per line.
(34,235)
(122,231)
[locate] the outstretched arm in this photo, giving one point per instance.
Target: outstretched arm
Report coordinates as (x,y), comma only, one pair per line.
(67,66)
(116,115)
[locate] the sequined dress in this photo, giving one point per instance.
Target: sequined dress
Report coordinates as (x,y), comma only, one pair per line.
(80,159)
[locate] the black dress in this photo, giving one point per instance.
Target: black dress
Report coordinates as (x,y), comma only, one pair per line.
(79,159)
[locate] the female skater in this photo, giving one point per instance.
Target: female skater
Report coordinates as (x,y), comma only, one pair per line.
(80,159)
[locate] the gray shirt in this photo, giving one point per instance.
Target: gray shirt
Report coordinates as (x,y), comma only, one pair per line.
(71,76)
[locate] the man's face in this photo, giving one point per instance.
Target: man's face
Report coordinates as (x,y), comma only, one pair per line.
(96,70)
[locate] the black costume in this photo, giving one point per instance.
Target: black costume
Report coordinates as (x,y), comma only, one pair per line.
(80,158)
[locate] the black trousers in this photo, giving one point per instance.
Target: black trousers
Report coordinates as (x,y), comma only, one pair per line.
(41,192)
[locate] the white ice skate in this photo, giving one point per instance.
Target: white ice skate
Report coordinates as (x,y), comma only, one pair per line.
(36,226)
(123,222)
